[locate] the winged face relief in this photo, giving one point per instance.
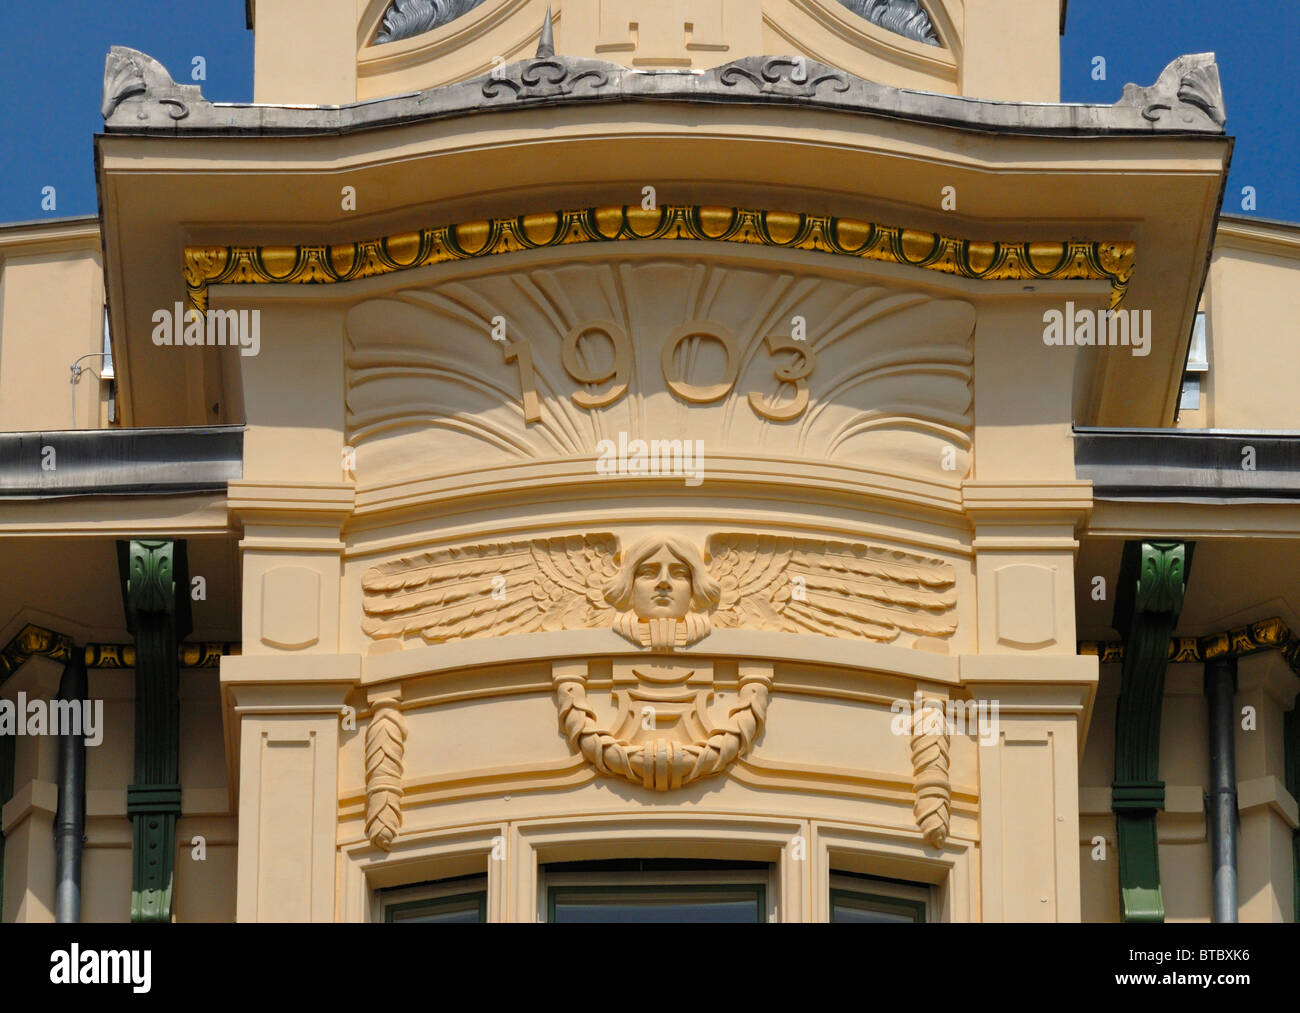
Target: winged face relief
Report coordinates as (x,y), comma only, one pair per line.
(663,591)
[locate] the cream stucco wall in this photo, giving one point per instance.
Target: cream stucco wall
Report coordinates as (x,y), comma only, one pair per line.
(51,314)
(1252,305)
(476,733)
(330,58)
(921,436)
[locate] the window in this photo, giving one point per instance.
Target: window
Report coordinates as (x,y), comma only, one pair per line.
(638,891)
(1197,363)
(856,898)
(463,899)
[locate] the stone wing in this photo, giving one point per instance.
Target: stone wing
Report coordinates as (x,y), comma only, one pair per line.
(835,589)
(492,589)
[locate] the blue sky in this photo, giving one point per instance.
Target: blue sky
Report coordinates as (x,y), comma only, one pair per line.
(53,59)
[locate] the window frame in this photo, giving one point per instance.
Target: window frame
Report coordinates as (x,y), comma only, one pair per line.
(916,898)
(551,878)
(435,894)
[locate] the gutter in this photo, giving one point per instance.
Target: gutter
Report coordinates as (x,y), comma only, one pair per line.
(1189,465)
(83,462)
(70,817)
(1221,800)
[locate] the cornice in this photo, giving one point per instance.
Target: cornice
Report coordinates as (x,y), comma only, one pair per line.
(65,235)
(140,97)
(315,503)
(1280,239)
(1046,502)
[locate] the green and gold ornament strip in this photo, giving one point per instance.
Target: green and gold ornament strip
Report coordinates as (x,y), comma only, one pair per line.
(33,641)
(1265,635)
(1075,259)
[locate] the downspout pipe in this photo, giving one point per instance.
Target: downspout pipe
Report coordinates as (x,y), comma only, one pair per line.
(70,817)
(1221,802)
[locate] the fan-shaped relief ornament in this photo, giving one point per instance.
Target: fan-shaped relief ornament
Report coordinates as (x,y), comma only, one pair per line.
(674,353)
(662,592)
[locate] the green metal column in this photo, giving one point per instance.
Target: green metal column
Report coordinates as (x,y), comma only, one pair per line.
(1149,597)
(155,593)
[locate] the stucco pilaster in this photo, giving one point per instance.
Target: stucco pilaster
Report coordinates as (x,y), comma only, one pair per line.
(27,819)
(1029,782)
(284,723)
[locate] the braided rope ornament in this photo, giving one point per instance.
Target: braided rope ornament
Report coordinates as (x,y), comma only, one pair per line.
(385,746)
(930,745)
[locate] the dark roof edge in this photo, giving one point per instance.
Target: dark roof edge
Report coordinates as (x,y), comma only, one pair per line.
(1191,465)
(120,462)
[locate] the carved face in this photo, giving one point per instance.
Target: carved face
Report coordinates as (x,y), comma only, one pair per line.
(661,586)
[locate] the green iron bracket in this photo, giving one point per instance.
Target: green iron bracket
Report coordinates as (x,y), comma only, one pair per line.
(1149,597)
(155,595)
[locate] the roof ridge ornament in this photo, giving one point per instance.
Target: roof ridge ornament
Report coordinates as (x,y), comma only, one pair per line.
(1187,93)
(546,44)
(132,75)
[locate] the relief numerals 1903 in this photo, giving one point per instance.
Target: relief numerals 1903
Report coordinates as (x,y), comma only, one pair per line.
(618,374)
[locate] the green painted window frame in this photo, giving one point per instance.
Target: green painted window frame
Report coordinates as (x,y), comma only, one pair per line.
(758,891)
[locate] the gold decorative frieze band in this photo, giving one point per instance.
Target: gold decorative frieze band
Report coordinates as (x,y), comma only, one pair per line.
(33,640)
(199,655)
(1267,634)
(979,259)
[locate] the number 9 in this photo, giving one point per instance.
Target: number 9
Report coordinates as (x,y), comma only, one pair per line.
(620,371)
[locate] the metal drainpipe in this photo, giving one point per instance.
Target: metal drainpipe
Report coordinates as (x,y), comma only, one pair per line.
(1221,802)
(70,819)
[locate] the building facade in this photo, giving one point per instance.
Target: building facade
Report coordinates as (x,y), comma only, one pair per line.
(615,460)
